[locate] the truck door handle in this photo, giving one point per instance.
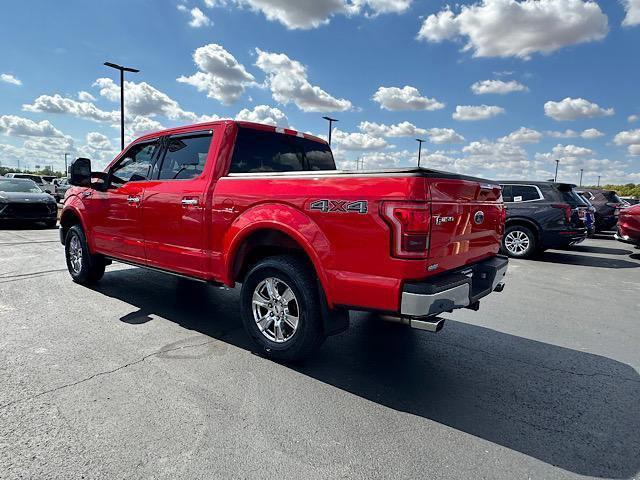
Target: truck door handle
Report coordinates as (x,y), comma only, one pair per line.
(189,201)
(133,199)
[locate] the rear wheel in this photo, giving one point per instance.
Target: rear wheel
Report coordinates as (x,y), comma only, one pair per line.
(519,242)
(84,268)
(281,308)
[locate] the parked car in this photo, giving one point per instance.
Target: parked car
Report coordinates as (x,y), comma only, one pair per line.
(61,188)
(38,179)
(22,200)
(607,205)
(630,200)
(628,229)
(541,215)
(229,202)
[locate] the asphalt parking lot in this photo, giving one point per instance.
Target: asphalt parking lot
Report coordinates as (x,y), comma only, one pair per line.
(148,376)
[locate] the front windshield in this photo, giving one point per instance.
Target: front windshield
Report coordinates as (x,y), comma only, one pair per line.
(22,186)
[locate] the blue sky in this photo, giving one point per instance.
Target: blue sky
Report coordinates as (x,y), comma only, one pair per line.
(560,76)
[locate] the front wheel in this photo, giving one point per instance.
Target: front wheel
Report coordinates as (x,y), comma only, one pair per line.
(281,309)
(519,242)
(84,268)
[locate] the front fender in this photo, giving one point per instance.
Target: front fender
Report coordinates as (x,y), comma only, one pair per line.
(73,205)
(286,219)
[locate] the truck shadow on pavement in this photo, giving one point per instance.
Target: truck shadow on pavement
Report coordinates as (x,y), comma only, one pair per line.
(567,258)
(571,409)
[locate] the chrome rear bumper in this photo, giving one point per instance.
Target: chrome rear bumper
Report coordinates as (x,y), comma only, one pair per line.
(454,290)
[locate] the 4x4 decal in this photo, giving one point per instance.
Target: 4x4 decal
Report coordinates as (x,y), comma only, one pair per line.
(340,206)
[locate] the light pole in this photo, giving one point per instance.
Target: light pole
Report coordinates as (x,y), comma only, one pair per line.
(420,142)
(581,171)
(555,179)
(598,181)
(66,169)
(330,120)
(122,70)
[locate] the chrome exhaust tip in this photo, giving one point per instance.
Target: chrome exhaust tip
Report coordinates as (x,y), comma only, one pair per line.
(430,324)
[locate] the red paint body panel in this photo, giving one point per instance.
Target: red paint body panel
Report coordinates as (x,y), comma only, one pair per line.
(352,252)
(629,223)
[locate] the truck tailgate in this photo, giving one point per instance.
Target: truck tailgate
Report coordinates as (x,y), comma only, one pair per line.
(466,222)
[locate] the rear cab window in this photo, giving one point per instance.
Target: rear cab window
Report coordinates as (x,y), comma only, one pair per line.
(261,151)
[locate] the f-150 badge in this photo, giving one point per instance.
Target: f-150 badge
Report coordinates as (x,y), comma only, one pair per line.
(440,220)
(340,206)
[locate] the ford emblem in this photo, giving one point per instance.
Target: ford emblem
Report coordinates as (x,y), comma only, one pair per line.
(478,217)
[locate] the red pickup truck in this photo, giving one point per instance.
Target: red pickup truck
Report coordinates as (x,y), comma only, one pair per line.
(234,202)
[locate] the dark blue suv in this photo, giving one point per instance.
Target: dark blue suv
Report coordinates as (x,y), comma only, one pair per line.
(541,215)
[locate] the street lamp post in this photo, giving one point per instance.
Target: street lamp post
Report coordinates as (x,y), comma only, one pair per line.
(598,181)
(420,142)
(66,169)
(555,179)
(330,120)
(581,171)
(122,70)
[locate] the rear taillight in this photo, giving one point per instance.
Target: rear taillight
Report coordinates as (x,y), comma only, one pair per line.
(410,224)
(566,208)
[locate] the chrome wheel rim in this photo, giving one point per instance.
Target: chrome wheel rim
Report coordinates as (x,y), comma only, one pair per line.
(517,242)
(275,310)
(75,254)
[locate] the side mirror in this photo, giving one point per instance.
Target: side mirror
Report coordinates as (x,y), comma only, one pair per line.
(80,172)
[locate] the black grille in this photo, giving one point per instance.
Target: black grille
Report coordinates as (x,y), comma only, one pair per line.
(27,210)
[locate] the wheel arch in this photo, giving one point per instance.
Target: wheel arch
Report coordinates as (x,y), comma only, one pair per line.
(271,230)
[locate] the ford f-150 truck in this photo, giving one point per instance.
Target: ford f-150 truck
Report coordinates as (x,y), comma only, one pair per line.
(236,202)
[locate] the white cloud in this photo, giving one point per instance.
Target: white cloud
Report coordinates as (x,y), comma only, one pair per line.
(140,125)
(8,78)
(13,125)
(591,133)
(307,14)
(574,108)
(64,105)
(476,112)
(406,98)
(498,87)
(287,80)
(633,118)
(402,129)
(98,141)
(220,75)
(517,28)
(565,151)
(632,8)
(490,156)
(264,114)
(444,135)
(143,99)
(86,96)
(630,138)
(198,18)
(356,141)
(522,135)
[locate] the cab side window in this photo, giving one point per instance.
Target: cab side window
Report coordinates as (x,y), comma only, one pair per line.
(135,165)
(185,156)
(506,193)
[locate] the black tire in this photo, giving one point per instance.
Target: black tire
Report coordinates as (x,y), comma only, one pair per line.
(296,274)
(523,233)
(91,268)
(51,223)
